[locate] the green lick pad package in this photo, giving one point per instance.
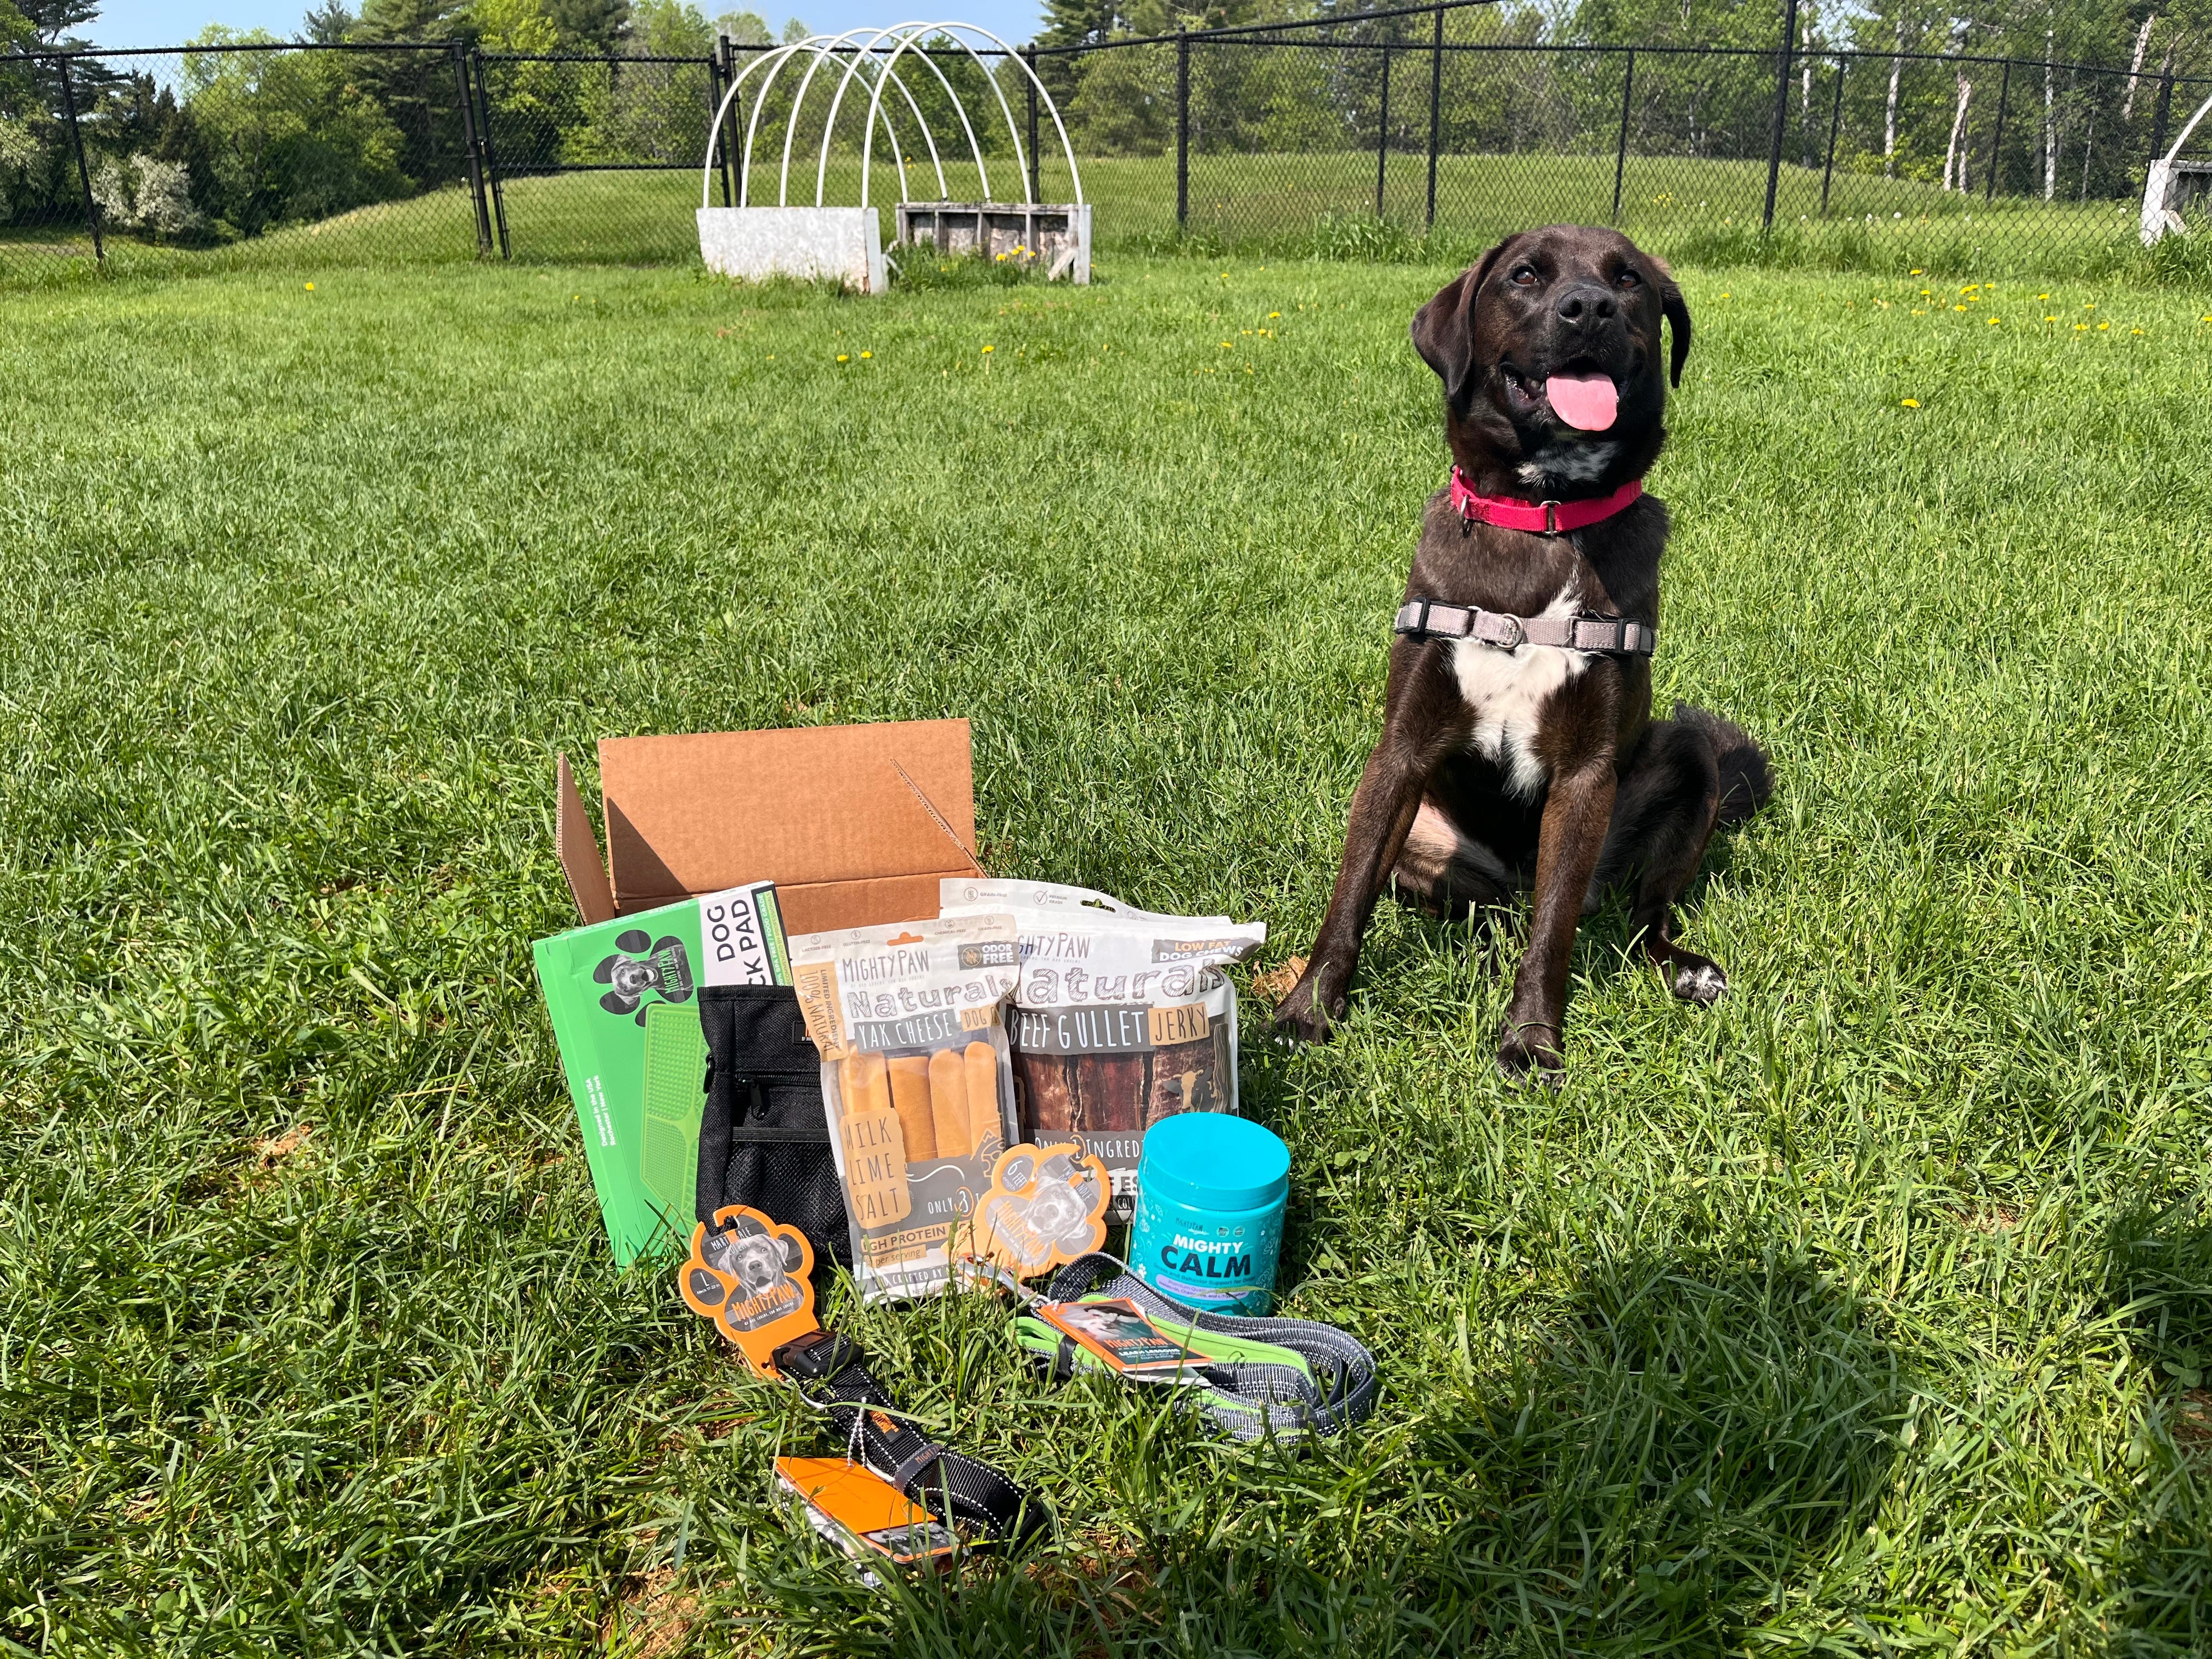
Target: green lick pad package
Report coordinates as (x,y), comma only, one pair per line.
(623,996)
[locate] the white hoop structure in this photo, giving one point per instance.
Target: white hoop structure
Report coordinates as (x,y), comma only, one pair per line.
(2157,221)
(872,56)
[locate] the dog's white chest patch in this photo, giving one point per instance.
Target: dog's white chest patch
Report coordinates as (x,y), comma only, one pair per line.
(1506,689)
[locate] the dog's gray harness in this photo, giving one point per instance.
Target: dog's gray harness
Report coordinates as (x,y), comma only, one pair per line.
(1612,636)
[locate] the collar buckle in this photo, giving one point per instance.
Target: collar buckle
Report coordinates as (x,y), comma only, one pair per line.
(1551,517)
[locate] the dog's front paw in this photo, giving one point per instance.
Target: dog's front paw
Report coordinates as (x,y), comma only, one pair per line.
(1693,979)
(1530,1054)
(1307,1015)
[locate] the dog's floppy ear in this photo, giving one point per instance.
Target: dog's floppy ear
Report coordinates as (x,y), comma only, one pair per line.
(1443,329)
(1678,321)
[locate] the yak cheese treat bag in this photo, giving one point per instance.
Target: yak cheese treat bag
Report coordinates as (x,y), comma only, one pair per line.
(1123,1016)
(917,1077)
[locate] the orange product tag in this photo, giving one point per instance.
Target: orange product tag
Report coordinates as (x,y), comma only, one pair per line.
(1046,1206)
(863,1514)
(750,1275)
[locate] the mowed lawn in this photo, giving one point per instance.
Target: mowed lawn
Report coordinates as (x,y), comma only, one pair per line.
(1867,1312)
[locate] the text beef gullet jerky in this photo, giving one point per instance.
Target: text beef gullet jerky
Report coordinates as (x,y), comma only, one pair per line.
(1123,1016)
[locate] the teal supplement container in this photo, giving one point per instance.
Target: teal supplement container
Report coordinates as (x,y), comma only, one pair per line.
(1210,1193)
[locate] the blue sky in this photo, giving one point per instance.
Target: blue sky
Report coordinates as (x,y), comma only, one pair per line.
(169,23)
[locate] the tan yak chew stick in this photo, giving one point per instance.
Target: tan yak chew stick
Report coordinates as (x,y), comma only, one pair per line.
(910,1097)
(986,1129)
(948,1103)
(875,1158)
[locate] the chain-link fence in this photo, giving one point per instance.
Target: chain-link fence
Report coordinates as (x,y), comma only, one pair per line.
(1351,136)
(1365,134)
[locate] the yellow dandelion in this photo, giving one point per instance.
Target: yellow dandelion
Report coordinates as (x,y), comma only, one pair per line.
(2043,296)
(2088,305)
(2079,327)
(2101,327)
(1993,322)
(865,355)
(1908,402)
(1916,272)
(990,348)
(1224,345)
(311,288)
(2050,320)
(2135,330)
(1724,296)
(843,358)
(1274,314)
(1958,307)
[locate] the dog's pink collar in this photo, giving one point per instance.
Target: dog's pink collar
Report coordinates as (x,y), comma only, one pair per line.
(1545,517)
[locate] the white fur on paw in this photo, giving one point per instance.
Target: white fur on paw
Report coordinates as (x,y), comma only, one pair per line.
(1704,985)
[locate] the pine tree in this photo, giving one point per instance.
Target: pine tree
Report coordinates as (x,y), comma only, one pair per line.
(589,25)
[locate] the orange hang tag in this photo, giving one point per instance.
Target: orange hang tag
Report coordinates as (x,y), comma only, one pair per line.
(864,1515)
(750,1275)
(1046,1205)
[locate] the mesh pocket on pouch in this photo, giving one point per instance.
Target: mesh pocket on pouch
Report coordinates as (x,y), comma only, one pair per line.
(764,1138)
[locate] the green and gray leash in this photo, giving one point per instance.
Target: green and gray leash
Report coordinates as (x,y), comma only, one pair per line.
(1253,1379)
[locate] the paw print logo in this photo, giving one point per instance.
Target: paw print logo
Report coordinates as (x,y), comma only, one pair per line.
(746,1271)
(1046,1204)
(644,966)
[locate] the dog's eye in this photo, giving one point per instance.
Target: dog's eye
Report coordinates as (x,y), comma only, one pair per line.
(1523,276)
(1629,279)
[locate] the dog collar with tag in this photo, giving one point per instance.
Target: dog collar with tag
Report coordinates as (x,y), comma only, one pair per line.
(1544,518)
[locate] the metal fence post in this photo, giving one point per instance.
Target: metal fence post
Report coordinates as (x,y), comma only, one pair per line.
(1383,133)
(83,173)
(1182,128)
(1036,188)
(1835,121)
(733,165)
(1620,154)
(469,148)
(1781,111)
(718,74)
(1436,107)
(2004,93)
(490,157)
(2160,114)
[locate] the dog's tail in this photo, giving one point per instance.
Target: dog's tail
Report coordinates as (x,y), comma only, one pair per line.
(1745,779)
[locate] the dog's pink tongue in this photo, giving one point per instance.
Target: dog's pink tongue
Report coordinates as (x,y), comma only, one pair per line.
(1585,401)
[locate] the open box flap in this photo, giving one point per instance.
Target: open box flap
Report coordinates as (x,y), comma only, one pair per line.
(808,808)
(579,848)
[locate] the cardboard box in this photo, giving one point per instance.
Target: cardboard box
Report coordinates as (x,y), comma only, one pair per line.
(856,825)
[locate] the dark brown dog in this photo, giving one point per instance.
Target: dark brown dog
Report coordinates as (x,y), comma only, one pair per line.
(1534,767)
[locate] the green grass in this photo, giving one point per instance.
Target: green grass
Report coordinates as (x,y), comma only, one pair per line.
(1706,210)
(1868,1313)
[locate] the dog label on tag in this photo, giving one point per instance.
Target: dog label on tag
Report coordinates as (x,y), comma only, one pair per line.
(753,1277)
(1046,1205)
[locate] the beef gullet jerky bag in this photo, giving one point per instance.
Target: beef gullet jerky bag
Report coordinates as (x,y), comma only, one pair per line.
(1122,1017)
(917,1081)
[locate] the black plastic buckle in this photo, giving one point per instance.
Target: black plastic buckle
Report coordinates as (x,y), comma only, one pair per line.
(818,1356)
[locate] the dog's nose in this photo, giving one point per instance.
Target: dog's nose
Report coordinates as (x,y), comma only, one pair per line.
(1586,306)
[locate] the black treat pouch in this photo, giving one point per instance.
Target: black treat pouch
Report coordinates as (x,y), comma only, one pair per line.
(764,1138)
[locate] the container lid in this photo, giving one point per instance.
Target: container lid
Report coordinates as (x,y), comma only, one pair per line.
(1213,1161)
